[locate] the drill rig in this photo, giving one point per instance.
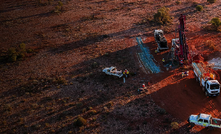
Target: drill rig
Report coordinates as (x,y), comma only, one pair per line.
(180,50)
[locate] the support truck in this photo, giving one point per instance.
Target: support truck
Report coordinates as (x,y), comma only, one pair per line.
(204,120)
(160,40)
(207,80)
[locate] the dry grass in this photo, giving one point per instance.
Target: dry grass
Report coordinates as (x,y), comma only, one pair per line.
(210,44)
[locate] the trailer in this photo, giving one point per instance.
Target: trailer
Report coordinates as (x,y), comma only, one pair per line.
(204,120)
(206,78)
(160,40)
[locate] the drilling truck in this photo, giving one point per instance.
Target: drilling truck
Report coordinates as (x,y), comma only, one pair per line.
(180,49)
(207,80)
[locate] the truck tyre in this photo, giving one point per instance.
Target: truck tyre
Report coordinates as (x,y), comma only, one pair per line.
(196,77)
(206,93)
(192,124)
(203,88)
(211,128)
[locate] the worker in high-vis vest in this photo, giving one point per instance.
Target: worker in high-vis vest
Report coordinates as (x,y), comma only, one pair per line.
(126,73)
(163,60)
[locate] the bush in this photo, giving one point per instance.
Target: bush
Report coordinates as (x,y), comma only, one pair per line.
(174,125)
(11,51)
(22,46)
(92,112)
(80,121)
(162,16)
(60,3)
(199,8)
(13,58)
(211,1)
(61,80)
(216,22)
(161,111)
(178,2)
(59,7)
(210,44)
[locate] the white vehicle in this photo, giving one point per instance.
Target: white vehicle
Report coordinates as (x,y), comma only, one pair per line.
(204,120)
(161,40)
(207,80)
(113,71)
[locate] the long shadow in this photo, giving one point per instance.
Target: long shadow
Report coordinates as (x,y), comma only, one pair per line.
(92,39)
(77,44)
(37,15)
(18,6)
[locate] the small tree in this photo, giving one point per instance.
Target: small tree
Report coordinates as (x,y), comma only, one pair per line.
(80,121)
(215,22)
(199,8)
(211,1)
(162,16)
(174,125)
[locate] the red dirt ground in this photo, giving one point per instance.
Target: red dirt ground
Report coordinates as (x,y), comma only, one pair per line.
(62,77)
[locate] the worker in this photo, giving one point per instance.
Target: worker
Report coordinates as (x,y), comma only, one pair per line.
(183,74)
(181,63)
(126,73)
(140,90)
(143,86)
(163,61)
(155,51)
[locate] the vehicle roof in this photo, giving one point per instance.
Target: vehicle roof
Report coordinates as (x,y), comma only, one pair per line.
(213,82)
(205,116)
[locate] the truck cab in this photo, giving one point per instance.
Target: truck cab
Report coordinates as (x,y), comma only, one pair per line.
(211,88)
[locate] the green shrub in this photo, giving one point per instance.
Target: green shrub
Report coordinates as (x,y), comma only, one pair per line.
(80,121)
(21,55)
(29,51)
(61,80)
(216,22)
(92,112)
(178,2)
(13,58)
(174,125)
(59,7)
(199,8)
(11,51)
(60,3)
(22,46)
(162,16)
(161,111)
(84,110)
(211,1)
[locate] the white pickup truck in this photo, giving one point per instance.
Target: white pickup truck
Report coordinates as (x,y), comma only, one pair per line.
(113,71)
(204,120)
